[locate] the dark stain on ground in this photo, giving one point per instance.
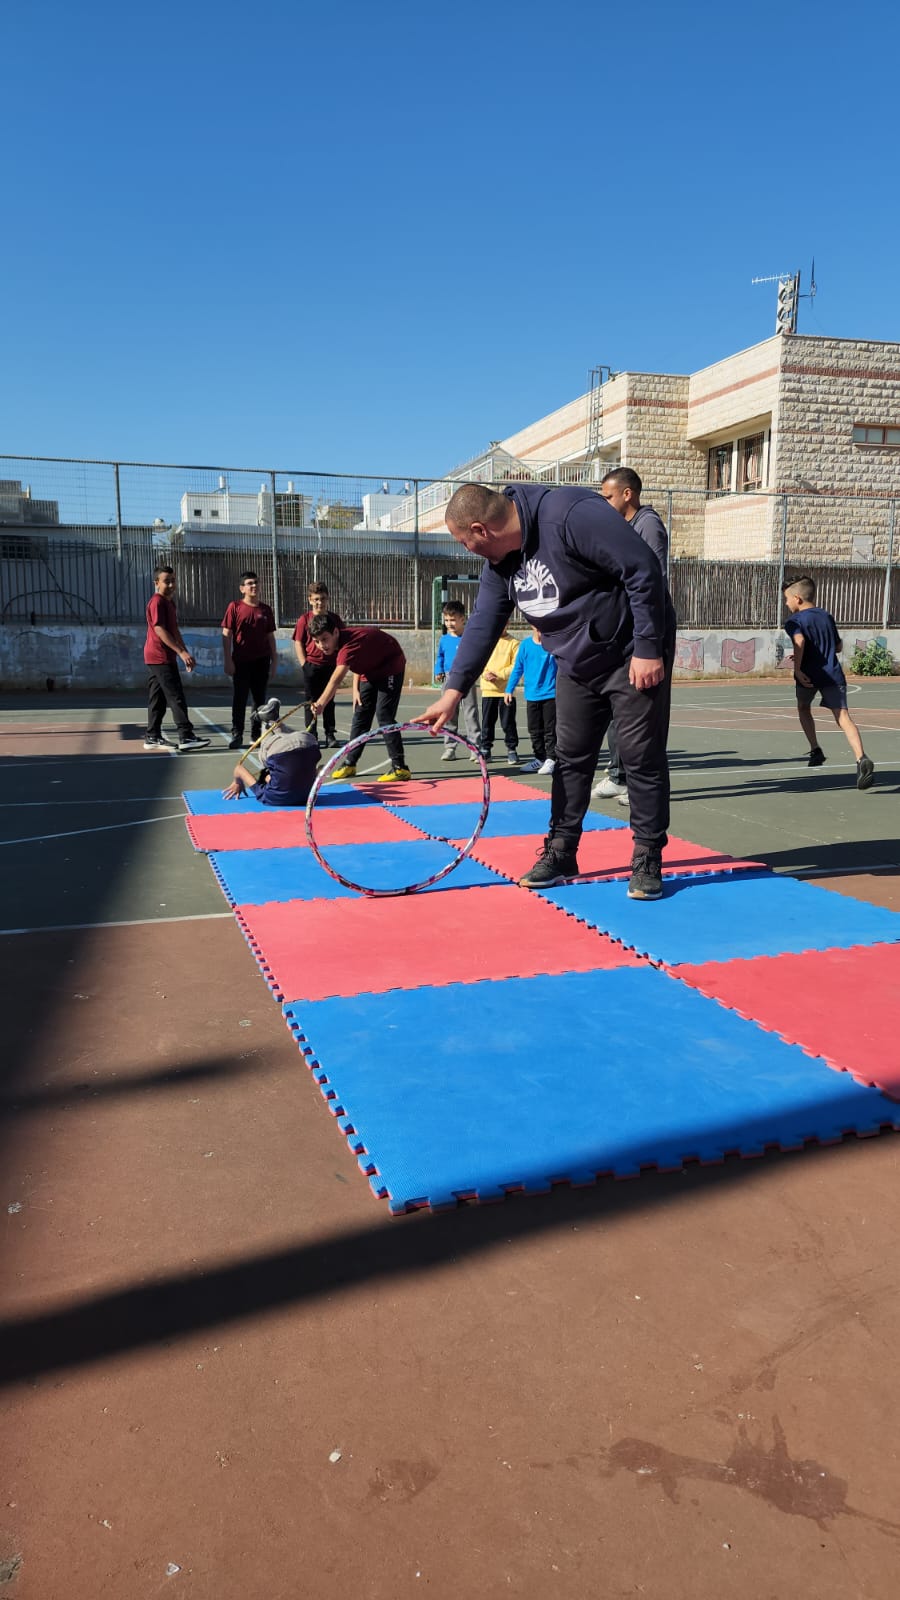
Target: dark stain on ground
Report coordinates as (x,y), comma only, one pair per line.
(400,1480)
(797,1488)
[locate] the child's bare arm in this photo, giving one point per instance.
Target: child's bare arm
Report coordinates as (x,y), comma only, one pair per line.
(176,643)
(799,674)
(329,691)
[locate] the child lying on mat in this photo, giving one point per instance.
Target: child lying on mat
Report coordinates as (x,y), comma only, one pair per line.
(289,762)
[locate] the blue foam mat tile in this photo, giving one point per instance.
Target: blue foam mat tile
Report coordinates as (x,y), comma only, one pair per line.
(723,917)
(259,877)
(654,1072)
(209,802)
(506,819)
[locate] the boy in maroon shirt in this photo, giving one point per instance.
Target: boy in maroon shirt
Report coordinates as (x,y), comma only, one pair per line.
(377,662)
(250,653)
(162,649)
(315,669)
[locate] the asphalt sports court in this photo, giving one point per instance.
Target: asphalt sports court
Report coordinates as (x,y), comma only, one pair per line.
(229,1370)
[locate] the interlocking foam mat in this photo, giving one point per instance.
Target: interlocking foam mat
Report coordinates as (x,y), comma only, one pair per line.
(210,802)
(606,854)
(486,1038)
(478,1090)
(724,918)
(267,829)
(254,877)
(330,947)
(838,1004)
(505,817)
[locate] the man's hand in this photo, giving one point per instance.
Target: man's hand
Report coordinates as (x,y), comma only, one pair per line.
(645,674)
(436,715)
(188,660)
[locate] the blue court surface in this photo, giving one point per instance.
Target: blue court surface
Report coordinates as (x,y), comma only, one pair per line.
(477,1090)
(257,877)
(209,802)
(728,918)
(506,818)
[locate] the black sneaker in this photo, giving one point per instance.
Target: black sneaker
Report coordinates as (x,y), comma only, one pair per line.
(816,758)
(193,743)
(865,772)
(555,864)
(646,876)
(237,743)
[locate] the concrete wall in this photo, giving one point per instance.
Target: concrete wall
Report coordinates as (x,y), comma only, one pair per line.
(111,658)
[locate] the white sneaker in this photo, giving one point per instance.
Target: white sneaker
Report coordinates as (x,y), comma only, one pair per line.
(193,744)
(622,799)
(546,767)
(531,766)
(449,753)
(608,789)
(157,744)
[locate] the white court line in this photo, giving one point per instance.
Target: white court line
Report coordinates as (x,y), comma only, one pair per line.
(107,827)
(123,800)
(844,872)
(138,922)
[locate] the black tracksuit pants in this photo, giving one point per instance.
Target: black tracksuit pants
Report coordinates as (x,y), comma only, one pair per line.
(541,716)
(493,705)
(316,676)
(251,678)
(583,714)
(379,700)
(164,688)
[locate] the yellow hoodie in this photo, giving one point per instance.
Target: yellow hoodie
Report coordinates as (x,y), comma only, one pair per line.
(501,662)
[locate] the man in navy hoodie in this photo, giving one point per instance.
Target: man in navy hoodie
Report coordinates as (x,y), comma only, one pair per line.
(599,597)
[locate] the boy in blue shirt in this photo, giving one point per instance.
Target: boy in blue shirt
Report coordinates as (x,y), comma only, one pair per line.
(453,616)
(289,762)
(538,668)
(813,633)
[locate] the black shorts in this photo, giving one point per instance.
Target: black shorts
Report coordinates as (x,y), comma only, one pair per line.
(834,695)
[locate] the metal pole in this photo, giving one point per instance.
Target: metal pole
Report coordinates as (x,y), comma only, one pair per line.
(886,607)
(276,603)
(668,531)
(118,511)
(417,615)
(784,523)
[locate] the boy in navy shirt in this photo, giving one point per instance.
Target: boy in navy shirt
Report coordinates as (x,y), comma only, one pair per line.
(813,633)
(538,668)
(289,762)
(453,616)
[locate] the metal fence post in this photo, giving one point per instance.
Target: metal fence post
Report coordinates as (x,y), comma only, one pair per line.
(118,511)
(886,607)
(668,531)
(417,609)
(784,522)
(276,593)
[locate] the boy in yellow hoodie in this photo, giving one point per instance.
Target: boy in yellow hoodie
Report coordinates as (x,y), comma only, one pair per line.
(493,688)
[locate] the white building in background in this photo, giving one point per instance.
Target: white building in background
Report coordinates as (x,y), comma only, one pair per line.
(225,513)
(378,511)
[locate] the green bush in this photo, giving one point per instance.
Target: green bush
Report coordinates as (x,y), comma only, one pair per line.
(872,660)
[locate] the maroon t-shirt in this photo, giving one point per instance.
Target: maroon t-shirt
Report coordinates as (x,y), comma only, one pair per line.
(162,611)
(302,635)
(251,626)
(371,652)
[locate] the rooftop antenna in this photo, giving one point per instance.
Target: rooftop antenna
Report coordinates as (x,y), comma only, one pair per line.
(789,296)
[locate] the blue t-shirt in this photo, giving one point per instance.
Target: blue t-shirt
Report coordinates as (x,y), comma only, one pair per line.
(819,660)
(538,668)
(446,651)
(291,776)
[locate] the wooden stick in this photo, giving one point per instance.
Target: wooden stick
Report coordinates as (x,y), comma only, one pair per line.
(310,724)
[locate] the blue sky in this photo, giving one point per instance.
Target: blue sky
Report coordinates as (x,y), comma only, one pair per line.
(371,238)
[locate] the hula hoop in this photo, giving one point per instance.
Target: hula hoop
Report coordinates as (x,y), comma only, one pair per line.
(341,757)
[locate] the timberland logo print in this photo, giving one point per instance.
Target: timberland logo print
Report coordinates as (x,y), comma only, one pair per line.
(537,591)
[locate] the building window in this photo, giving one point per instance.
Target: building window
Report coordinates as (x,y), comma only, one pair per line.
(197,512)
(881,434)
(719,473)
(214,513)
(750,462)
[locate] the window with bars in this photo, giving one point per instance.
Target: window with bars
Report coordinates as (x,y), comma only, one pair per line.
(750,462)
(880,433)
(738,466)
(719,473)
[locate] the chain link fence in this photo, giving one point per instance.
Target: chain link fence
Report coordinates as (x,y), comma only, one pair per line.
(79,541)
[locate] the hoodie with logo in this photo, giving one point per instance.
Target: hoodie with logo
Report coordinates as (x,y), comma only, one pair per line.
(596,592)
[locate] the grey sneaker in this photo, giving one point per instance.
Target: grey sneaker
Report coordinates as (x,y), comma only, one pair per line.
(531,766)
(622,799)
(271,711)
(193,743)
(555,864)
(646,876)
(512,758)
(449,752)
(608,789)
(865,772)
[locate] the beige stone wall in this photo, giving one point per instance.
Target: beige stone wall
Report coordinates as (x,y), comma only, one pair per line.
(561,433)
(724,397)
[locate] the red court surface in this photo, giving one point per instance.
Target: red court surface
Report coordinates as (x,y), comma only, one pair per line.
(264,830)
(606,853)
(323,948)
(442,791)
(843,1005)
(74,739)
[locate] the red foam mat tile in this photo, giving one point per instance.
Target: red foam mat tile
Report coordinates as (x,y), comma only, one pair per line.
(837,1004)
(604,853)
(320,949)
(263,830)
(448,791)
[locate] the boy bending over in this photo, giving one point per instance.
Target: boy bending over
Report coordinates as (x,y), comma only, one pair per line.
(817,643)
(377,663)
